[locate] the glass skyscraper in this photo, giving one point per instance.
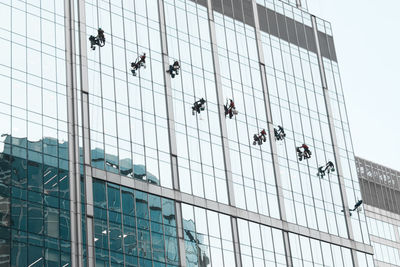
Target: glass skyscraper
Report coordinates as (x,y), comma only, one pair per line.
(102,168)
(380,188)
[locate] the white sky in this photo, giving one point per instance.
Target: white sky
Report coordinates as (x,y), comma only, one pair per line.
(367,41)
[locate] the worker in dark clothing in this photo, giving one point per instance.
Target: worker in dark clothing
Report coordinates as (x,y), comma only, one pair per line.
(174,69)
(100,37)
(92,40)
(134,68)
(230,108)
(99,40)
(140,62)
(303,152)
(329,167)
(198,106)
(279,133)
(260,138)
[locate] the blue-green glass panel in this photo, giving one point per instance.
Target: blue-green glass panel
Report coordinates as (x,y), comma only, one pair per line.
(142,205)
(100,213)
(114,217)
(128,203)
(131,261)
(19,254)
(19,172)
(144,248)
(155,208)
(65,226)
(19,214)
(115,237)
(35,218)
(63,183)
(52,258)
(101,233)
(99,194)
(129,221)
(114,198)
(168,212)
(35,176)
(35,256)
(50,180)
(157,241)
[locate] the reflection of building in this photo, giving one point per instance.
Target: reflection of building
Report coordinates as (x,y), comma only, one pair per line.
(102,168)
(34,197)
(380,188)
(134,225)
(194,241)
(46,182)
(135,171)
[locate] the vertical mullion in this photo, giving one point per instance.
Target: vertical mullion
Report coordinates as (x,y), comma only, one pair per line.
(83,64)
(334,141)
(182,93)
(274,151)
(73,135)
(224,136)
(245,115)
(169,97)
(171,131)
(194,94)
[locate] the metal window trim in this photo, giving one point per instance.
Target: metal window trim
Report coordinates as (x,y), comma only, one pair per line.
(336,149)
(73,137)
(224,131)
(225,209)
(171,132)
(169,100)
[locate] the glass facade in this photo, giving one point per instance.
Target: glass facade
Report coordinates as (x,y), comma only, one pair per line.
(295,3)
(252,172)
(128,121)
(35,199)
(208,237)
(200,157)
(379,188)
(256,246)
(310,252)
(297,103)
(380,185)
(343,137)
(99,167)
(386,254)
(133,228)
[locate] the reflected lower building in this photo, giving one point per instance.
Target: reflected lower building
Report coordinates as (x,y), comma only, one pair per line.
(35,202)
(135,171)
(380,188)
(102,168)
(196,254)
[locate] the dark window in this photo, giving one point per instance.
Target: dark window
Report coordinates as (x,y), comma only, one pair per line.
(228,8)
(217,5)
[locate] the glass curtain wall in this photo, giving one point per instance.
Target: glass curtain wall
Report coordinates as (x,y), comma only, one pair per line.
(261,245)
(129,130)
(252,171)
(208,238)
(298,104)
(34,180)
(269,3)
(132,228)
(311,252)
(343,136)
(200,157)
